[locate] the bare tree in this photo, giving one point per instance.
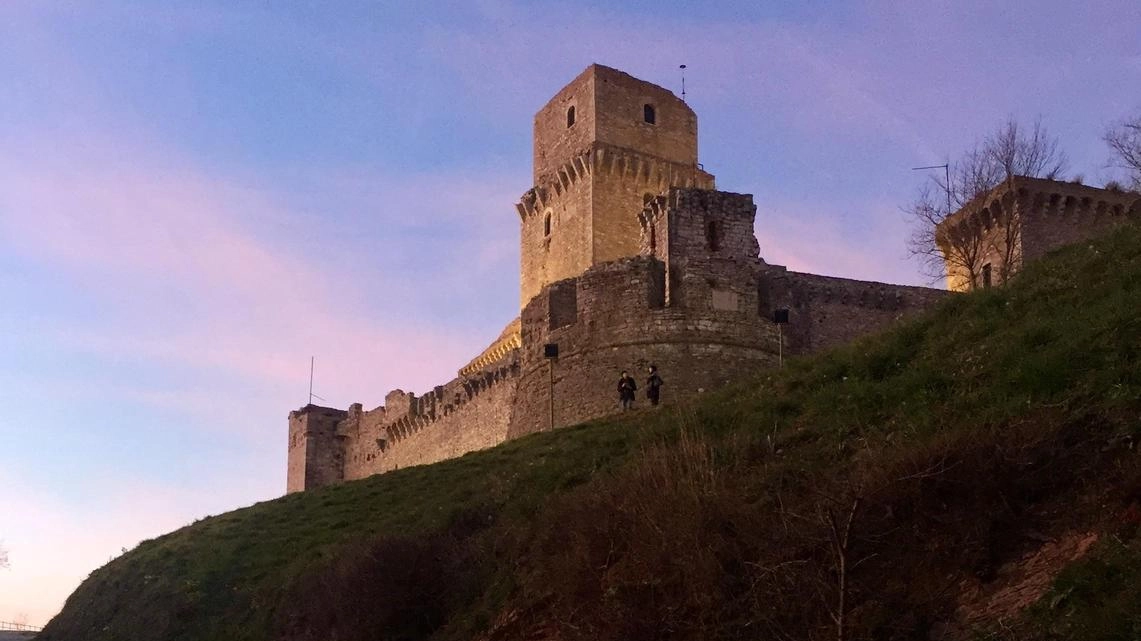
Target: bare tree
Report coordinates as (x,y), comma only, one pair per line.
(1011,150)
(3,557)
(1124,138)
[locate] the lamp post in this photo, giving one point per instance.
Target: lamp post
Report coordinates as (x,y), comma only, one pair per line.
(780,319)
(551,353)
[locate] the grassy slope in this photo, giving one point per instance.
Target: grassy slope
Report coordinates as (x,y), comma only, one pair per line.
(960,438)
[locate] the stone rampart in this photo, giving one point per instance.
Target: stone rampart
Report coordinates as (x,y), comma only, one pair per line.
(468,413)
(826,311)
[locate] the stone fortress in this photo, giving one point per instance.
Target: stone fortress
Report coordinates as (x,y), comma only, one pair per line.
(630,257)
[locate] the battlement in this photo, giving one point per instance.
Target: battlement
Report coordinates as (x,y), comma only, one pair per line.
(650,174)
(465,414)
(826,311)
(1050,197)
(990,238)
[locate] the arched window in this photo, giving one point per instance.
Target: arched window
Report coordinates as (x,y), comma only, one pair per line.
(570,116)
(712,236)
(546,225)
(648,114)
(653,240)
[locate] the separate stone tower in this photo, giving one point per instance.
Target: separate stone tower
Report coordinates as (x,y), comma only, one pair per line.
(605,146)
(315,452)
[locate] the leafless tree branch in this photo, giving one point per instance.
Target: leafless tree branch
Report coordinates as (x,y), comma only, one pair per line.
(1011,150)
(1124,139)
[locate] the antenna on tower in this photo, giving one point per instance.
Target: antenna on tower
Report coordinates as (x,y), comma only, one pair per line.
(311,394)
(682,67)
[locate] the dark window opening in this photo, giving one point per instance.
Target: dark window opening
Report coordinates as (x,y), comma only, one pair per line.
(648,114)
(712,236)
(646,198)
(986,276)
(547,225)
(653,240)
(570,116)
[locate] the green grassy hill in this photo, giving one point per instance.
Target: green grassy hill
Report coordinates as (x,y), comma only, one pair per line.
(927,483)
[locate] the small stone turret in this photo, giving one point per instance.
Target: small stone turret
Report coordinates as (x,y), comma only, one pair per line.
(315,453)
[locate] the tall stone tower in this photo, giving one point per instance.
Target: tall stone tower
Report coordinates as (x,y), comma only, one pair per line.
(605,145)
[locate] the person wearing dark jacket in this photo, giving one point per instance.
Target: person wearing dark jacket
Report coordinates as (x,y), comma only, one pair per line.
(626,389)
(654,386)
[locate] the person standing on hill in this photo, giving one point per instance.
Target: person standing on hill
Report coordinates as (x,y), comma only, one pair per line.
(654,386)
(626,389)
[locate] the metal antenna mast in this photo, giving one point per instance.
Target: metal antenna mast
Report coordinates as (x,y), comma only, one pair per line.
(682,67)
(946,167)
(311,394)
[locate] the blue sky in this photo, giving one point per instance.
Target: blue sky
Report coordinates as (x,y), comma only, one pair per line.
(197,197)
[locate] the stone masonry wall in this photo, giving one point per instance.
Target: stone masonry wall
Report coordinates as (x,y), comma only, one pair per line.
(621,323)
(825,311)
(1058,214)
(554,142)
(467,414)
(621,100)
(708,333)
(592,203)
(1023,218)
(624,181)
(315,453)
(568,249)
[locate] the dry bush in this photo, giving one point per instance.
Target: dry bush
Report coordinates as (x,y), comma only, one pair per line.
(695,542)
(393,587)
(672,549)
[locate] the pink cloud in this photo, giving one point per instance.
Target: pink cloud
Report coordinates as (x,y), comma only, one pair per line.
(192,279)
(813,239)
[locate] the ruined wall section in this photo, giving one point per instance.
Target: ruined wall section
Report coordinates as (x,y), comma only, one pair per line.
(468,413)
(825,311)
(315,450)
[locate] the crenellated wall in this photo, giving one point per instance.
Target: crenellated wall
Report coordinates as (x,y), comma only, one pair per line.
(1022,219)
(826,311)
(466,414)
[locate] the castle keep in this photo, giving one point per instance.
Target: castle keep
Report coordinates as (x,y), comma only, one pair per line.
(629,256)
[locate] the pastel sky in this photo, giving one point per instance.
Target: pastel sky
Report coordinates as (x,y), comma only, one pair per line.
(196,197)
